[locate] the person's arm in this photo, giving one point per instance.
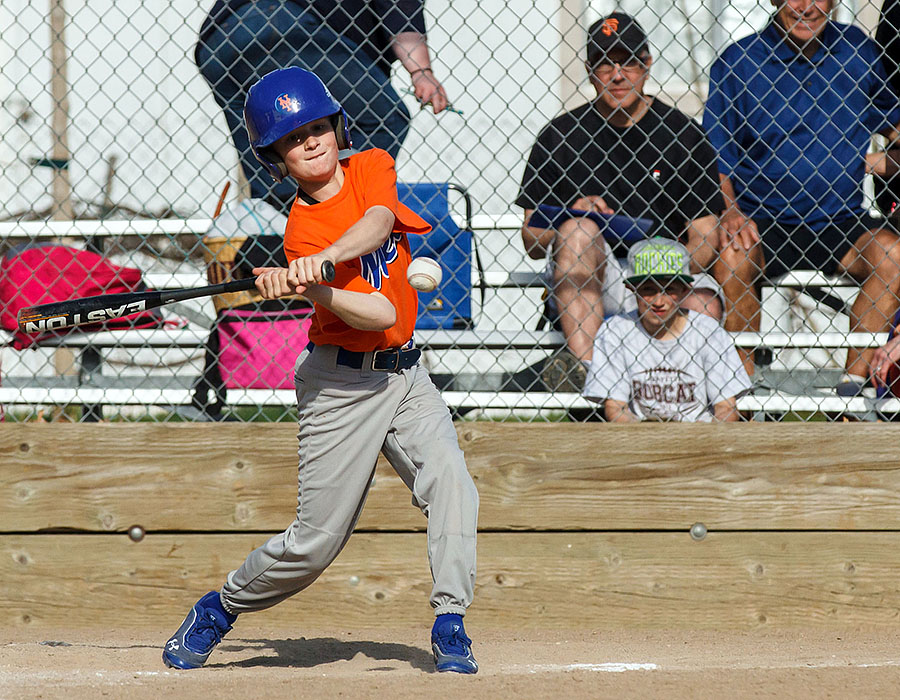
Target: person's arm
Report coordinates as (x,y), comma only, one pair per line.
(367,234)
(736,228)
(537,241)
(607,379)
(888,39)
(724,125)
(703,238)
(411,49)
(726,411)
(540,174)
(884,357)
(368,312)
(883,163)
(891,133)
(886,162)
(404,22)
(618,412)
(593,202)
(725,377)
(702,204)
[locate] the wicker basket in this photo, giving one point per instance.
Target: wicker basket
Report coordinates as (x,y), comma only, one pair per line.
(219,253)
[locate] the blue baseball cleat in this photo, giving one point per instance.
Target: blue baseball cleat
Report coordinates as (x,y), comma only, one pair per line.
(452,648)
(202,629)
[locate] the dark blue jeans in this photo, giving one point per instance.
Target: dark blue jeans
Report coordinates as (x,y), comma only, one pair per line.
(265,36)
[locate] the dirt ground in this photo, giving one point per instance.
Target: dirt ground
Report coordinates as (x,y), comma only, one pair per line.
(255,662)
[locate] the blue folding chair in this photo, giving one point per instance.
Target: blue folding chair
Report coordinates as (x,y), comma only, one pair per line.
(453,247)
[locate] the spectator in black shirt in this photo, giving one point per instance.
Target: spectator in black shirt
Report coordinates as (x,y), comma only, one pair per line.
(622,153)
(349,44)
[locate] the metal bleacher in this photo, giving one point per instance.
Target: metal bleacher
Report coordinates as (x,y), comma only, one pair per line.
(801,389)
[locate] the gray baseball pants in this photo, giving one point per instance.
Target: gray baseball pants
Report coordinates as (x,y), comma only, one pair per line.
(346,417)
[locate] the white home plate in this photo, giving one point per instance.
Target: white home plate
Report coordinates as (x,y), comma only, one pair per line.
(607,668)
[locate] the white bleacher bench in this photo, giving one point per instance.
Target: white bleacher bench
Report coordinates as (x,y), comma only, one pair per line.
(499,403)
(82,229)
(772,403)
(521,339)
(468,339)
(775,403)
(486,339)
(813,278)
(524,279)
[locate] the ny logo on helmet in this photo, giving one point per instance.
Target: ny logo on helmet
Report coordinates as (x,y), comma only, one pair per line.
(286,103)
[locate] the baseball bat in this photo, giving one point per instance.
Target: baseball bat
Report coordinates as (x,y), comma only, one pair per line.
(103,307)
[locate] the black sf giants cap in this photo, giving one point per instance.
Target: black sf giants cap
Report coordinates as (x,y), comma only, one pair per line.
(617,31)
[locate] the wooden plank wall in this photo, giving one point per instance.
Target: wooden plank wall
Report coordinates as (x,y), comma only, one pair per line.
(580,525)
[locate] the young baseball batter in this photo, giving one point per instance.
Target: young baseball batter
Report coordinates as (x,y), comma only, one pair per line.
(360,387)
(663,362)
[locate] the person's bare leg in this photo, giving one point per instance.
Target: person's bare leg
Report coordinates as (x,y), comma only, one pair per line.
(737,272)
(580,260)
(874,258)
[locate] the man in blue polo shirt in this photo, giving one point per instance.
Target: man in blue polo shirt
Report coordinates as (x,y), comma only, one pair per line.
(790,111)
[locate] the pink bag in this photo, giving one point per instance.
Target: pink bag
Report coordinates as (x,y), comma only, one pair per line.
(258,349)
(45,273)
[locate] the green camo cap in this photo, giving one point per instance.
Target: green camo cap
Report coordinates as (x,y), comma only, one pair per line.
(658,259)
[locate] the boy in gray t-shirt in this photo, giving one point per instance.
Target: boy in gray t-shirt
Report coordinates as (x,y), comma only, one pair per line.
(661,362)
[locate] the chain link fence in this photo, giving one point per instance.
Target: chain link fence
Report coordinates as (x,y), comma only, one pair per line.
(123,154)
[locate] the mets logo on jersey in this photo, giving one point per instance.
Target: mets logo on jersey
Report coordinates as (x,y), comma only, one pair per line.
(375,264)
(286,103)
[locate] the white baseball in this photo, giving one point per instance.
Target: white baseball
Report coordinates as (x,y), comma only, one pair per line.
(424,274)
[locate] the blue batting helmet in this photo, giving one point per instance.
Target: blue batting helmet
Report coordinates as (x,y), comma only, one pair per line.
(282,101)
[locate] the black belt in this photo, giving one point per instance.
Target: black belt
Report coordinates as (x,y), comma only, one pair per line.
(392,360)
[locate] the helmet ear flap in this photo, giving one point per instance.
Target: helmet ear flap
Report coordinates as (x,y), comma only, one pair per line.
(272,162)
(341,130)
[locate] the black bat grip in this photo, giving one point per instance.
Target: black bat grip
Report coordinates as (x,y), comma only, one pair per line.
(237,286)
(250,282)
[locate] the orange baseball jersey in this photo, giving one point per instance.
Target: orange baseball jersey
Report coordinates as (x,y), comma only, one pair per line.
(369,180)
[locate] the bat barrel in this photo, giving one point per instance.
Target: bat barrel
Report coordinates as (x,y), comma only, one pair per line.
(104,307)
(96,309)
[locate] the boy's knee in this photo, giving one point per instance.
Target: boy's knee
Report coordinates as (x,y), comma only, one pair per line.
(318,561)
(315,548)
(451,478)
